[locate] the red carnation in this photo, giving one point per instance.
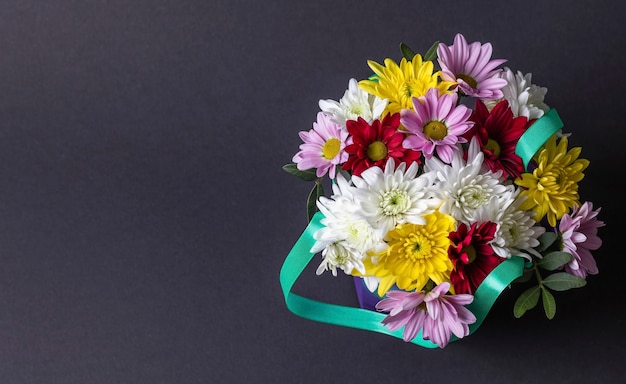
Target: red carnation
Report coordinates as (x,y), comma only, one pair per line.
(498,133)
(472,256)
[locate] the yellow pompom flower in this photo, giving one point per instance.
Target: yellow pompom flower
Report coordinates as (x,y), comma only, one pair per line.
(552,188)
(401,83)
(415,255)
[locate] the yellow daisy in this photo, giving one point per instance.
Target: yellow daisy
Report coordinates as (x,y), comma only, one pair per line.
(399,84)
(415,255)
(552,188)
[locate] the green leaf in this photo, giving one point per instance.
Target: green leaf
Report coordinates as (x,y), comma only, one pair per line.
(346,175)
(407,52)
(546,240)
(562,281)
(527,300)
(431,54)
(311,206)
(549,304)
(308,175)
(528,273)
(553,260)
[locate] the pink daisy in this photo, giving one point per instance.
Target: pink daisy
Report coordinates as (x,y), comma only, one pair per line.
(437,123)
(470,65)
(323,148)
(579,232)
(438,315)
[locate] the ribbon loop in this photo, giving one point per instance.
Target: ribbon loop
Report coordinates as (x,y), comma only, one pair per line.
(300,256)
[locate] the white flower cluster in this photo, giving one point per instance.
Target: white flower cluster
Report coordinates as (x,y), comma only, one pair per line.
(472,193)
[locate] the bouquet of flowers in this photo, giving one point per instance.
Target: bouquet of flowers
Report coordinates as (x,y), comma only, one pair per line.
(443,168)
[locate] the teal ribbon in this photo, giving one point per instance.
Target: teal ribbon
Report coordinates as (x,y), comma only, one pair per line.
(537,134)
(484,297)
(300,256)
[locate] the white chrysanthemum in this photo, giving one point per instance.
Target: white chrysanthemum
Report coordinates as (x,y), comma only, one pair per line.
(395,196)
(347,235)
(337,256)
(355,103)
(465,187)
(517,231)
(524,97)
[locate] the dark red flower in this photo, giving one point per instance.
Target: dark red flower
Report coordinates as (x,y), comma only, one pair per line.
(498,133)
(472,256)
(372,145)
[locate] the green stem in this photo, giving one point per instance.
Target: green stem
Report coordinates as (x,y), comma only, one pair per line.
(538,274)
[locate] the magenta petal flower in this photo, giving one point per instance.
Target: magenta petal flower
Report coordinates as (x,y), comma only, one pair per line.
(323,148)
(447,315)
(404,311)
(470,65)
(579,232)
(436,123)
(436,314)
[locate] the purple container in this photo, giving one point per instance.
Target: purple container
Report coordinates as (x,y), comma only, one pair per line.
(367,299)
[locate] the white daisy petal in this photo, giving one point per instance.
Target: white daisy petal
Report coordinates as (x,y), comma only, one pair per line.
(465,186)
(525,98)
(395,195)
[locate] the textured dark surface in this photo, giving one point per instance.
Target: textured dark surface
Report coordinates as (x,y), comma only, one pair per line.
(144,215)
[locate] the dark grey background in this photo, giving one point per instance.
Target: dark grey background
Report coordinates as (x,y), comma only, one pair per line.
(144,215)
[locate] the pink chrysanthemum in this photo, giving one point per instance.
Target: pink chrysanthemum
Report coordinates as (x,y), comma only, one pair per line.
(436,124)
(323,148)
(579,232)
(438,315)
(470,65)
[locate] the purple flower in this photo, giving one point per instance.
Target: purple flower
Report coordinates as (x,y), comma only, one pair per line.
(404,311)
(579,232)
(438,315)
(323,148)
(437,124)
(470,65)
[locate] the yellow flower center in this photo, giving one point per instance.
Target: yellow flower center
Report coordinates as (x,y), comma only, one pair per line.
(416,247)
(435,130)
(377,151)
(408,89)
(471,253)
(331,148)
(553,179)
(493,146)
(468,79)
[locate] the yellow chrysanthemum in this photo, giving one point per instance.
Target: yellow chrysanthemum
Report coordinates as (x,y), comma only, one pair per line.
(399,84)
(552,188)
(415,254)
